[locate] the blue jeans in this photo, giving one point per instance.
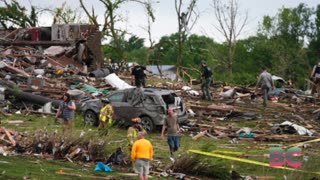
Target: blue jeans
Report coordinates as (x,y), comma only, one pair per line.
(174,143)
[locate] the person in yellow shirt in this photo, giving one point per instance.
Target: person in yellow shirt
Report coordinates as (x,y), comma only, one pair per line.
(133,131)
(141,155)
(105,114)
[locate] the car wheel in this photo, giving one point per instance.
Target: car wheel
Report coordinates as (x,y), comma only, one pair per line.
(90,118)
(147,123)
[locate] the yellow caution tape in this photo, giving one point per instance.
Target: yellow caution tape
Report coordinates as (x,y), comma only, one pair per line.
(247,161)
(227,152)
(301,143)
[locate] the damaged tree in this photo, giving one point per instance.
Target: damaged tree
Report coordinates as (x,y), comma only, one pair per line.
(111,19)
(229,25)
(186,21)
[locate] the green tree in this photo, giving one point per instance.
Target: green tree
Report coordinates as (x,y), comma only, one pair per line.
(130,48)
(196,49)
(16,15)
(314,46)
(134,42)
(287,32)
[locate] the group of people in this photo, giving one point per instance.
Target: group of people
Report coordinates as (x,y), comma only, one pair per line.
(142,150)
(139,77)
(266,83)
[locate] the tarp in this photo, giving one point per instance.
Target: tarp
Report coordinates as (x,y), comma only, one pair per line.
(277,78)
(102,167)
(116,82)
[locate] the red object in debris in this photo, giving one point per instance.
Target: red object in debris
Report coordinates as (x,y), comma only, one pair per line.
(274,99)
(34,33)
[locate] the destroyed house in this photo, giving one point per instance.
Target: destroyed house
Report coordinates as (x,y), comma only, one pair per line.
(84,39)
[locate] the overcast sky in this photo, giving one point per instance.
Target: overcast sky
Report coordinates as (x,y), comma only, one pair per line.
(166,20)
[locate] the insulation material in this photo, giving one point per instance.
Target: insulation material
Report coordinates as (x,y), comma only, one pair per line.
(54,50)
(300,130)
(116,82)
(228,94)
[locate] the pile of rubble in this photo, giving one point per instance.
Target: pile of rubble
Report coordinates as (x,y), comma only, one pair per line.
(38,65)
(51,146)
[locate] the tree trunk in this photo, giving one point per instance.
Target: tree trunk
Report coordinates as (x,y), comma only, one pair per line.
(230,61)
(12,90)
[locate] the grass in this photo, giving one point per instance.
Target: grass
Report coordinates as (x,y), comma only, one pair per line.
(35,168)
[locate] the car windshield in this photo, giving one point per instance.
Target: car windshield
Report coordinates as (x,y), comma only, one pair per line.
(117,97)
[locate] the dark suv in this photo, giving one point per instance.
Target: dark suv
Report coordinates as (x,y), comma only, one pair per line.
(150,104)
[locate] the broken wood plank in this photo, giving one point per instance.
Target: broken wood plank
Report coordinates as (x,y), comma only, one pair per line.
(4,113)
(13,142)
(2,138)
(15,122)
(70,160)
(199,135)
(213,108)
(13,69)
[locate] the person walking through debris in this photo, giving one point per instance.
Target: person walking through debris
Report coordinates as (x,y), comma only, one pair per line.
(141,155)
(105,114)
(138,75)
(134,130)
(66,110)
(172,126)
(206,81)
(265,82)
(315,78)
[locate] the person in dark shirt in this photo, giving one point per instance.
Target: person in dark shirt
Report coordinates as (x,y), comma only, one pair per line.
(138,75)
(206,81)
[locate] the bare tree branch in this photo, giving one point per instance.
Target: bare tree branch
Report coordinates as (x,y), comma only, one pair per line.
(92,18)
(227,17)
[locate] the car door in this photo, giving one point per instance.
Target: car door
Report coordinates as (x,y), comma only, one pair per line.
(122,109)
